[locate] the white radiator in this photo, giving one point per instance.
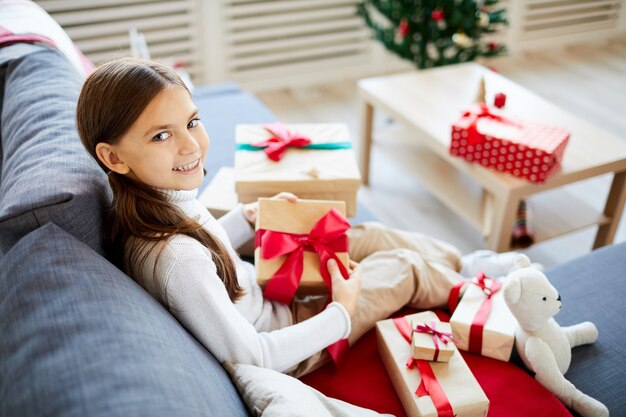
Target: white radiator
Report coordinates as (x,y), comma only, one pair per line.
(549,18)
(100,28)
(274,43)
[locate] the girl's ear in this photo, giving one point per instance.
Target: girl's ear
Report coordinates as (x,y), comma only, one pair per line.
(107,155)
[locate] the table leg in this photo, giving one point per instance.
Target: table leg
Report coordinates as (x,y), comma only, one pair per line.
(613,210)
(504,209)
(366,141)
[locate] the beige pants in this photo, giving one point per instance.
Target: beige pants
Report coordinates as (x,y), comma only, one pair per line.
(398,268)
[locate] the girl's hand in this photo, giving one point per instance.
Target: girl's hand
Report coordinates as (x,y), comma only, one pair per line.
(345,291)
(250,209)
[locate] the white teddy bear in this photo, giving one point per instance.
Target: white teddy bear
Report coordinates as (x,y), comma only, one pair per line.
(543,345)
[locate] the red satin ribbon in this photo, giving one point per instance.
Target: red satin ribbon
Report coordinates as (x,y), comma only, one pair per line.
(479,111)
(282,139)
(444,337)
(429,385)
(327,236)
(475,344)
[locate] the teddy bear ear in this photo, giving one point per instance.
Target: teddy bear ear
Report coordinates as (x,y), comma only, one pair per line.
(512,290)
(521,261)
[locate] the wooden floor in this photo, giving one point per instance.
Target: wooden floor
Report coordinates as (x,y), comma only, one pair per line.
(586,80)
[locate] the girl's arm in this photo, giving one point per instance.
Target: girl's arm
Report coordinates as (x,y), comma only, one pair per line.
(238,229)
(199,300)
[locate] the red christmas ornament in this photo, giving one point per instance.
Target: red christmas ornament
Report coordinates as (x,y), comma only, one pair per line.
(403,29)
(492,46)
(437,15)
(499,100)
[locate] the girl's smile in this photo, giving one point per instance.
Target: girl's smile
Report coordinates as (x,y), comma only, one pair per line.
(189,168)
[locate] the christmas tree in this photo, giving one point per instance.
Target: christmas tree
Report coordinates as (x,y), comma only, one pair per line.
(432,33)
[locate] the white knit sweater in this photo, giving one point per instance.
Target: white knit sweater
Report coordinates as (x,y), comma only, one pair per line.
(254,330)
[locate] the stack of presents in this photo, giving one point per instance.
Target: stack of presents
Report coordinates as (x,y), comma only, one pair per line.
(316,162)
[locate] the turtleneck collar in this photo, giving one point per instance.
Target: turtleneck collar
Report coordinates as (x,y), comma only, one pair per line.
(180,196)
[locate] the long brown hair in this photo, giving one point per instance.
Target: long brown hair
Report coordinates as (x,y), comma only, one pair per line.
(112,98)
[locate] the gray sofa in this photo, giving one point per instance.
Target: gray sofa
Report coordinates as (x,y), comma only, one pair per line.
(80,338)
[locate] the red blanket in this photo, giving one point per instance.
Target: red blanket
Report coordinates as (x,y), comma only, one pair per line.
(362,380)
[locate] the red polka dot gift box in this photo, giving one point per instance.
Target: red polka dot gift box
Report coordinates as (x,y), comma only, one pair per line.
(527,150)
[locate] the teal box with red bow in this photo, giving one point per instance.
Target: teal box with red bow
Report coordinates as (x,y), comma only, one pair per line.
(487,136)
(313,161)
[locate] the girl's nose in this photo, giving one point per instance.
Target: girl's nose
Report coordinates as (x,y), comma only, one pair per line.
(189,144)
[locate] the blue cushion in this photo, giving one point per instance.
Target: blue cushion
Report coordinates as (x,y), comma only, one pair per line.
(80,338)
(593,289)
(47,176)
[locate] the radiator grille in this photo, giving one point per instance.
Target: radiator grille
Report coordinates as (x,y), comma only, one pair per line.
(547,18)
(100,27)
(268,40)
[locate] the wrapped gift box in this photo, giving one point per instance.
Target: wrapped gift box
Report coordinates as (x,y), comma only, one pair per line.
(498,333)
(297,220)
(490,138)
(423,341)
(462,391)
(320,174)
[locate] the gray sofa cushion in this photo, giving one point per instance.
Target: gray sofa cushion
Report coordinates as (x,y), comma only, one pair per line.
(46,174)
(80,338)
(593,288)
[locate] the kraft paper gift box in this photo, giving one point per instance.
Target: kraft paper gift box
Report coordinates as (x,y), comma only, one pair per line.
(320,174)
(423,342)
(490,138)
(498,334)
(462,391)
(298,219)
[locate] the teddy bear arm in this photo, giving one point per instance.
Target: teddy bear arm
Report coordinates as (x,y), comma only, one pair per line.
(581,333)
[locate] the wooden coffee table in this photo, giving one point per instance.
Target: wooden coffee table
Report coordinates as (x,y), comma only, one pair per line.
(427,102)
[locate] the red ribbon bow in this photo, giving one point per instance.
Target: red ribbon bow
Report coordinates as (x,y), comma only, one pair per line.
(429,384)
(480,111)
(475,344)
(327,236)
(282,139)
(444,337)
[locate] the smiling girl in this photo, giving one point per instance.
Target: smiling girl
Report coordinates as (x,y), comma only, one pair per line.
(138,121)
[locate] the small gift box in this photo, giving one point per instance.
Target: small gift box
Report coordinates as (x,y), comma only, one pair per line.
(294,241)
(527,150)
(428,388)
(481,321)
(313,161)
(432,341)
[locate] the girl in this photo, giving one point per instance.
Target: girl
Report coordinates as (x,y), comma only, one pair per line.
(138,121)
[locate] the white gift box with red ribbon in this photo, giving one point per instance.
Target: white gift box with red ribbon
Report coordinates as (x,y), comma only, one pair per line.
(481,321)
(312,161)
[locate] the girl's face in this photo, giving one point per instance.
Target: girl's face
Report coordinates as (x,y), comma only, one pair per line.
(166,146)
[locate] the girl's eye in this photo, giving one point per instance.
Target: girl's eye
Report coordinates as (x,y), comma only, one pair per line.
(193,122)
(161,136)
